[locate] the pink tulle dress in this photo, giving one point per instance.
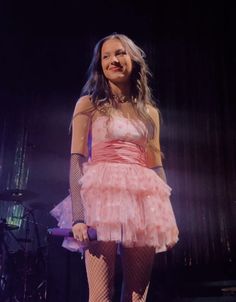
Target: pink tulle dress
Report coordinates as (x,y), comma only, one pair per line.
(123,199)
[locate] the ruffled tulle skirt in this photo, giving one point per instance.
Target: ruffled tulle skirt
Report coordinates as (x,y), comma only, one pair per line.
(126,203)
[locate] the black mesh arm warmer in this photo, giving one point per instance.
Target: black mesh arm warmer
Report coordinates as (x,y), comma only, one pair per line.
(75,174)
(79,153)
(160,172)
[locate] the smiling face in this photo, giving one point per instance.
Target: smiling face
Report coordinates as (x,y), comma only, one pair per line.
(116,62)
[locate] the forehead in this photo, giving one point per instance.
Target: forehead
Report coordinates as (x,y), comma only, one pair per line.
(112,45)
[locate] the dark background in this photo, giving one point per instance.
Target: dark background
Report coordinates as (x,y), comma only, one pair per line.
(46,48)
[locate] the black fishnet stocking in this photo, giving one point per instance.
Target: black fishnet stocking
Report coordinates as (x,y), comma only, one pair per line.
(100,266)
(137,266)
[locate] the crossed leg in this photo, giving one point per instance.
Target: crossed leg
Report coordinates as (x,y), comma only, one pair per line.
(137,265)
(100,266)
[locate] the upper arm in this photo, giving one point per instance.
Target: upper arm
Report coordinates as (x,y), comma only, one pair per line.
(153,150)
(81,125)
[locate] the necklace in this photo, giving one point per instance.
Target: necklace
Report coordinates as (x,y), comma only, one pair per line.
(120,98)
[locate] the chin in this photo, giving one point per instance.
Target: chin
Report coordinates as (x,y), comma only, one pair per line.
(121,79)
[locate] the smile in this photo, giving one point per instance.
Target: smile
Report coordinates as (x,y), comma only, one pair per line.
(115,69)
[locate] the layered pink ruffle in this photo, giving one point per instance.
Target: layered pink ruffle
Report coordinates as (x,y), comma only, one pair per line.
(62,212)
(128,203)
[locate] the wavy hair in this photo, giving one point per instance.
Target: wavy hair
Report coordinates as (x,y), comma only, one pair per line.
(98,89)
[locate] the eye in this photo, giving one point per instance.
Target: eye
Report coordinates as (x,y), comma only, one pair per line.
(104,57)
(121,53)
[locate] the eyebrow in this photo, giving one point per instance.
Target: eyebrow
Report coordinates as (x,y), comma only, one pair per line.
(119,49)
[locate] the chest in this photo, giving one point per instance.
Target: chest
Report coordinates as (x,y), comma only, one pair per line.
(118,128)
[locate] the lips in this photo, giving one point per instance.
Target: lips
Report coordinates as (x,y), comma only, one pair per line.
(115,69)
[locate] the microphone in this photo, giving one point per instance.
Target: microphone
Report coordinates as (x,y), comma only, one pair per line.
(66,232)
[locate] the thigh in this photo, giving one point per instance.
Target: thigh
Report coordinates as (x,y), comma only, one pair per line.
(100,267)
(137,266)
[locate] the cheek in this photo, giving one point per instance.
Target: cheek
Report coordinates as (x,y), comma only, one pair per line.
(103,66)
(129,66)
(105,73)
(104,69)
(128,62)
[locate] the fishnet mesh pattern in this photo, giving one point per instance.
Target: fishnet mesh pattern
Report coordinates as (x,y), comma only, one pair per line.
(160,172)
(137,267)
(100,267)
(75,174)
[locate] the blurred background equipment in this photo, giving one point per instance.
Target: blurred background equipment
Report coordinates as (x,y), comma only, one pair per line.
(22,271)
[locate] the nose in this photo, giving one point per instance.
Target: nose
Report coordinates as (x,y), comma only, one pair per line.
(114,60)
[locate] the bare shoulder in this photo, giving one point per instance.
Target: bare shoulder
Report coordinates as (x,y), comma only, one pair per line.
(153,111)
(84,105)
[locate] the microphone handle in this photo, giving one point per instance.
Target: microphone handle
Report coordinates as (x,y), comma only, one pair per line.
(66,232)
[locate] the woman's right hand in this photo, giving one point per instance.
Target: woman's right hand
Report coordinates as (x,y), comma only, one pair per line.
(80,232)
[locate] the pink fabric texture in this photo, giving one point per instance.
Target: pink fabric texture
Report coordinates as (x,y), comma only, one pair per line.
(123,199)
(63,214)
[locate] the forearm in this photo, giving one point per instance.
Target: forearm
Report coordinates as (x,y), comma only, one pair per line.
(75,187)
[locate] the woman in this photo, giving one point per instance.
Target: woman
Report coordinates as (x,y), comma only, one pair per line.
(117,181)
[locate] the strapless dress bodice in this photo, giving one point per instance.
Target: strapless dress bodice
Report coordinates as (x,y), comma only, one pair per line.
(106,129)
